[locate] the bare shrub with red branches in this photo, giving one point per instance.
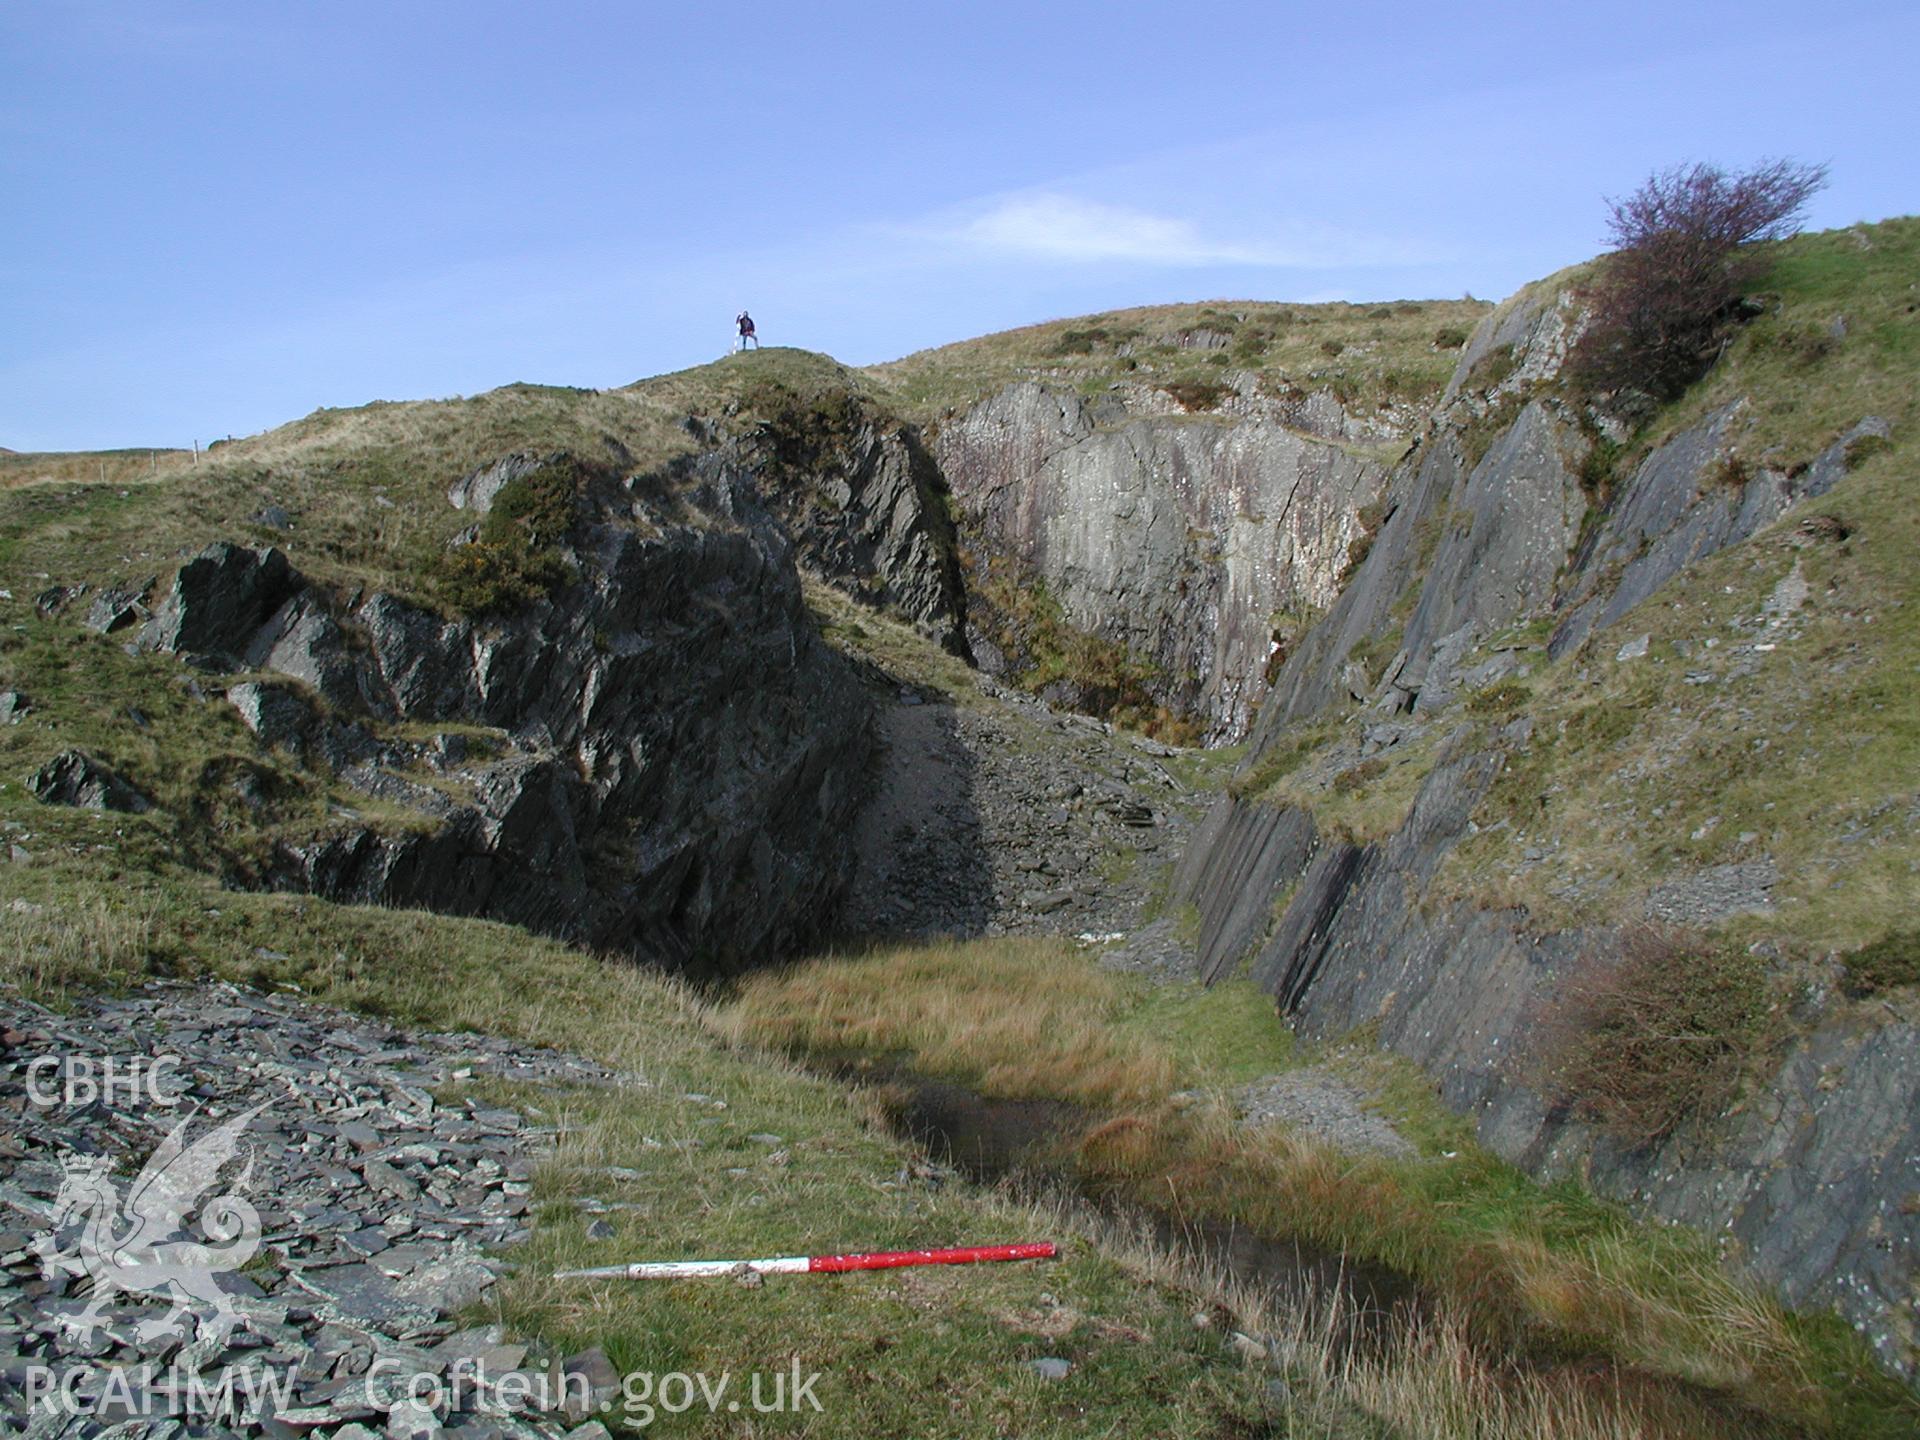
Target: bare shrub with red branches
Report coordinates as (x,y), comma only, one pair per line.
(1685,252)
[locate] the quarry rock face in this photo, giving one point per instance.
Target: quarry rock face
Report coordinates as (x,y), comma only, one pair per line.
(1812,1180)
(680,755)
(1180,536)
(866,509)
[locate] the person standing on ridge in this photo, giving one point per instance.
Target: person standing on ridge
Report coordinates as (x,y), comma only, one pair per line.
(744,323)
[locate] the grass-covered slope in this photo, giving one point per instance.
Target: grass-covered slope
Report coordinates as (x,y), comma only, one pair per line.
(1369,356)
(364,489)
(99,466)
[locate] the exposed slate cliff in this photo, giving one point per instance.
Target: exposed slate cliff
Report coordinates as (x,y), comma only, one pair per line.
(685,756)
(1179,536)
(1461,548)
(866,508)
(1812,1180)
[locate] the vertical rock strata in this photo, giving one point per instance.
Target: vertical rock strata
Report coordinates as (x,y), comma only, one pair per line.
(1813,1182)
(1178,536)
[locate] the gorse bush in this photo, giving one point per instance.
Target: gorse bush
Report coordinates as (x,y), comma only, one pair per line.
(1196,394)
(1081,342)
(1684,256)
(515,558)
(1889,962)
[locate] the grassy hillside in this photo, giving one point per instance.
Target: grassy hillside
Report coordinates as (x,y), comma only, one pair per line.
(366,487)
(1808,754)
(100,467)
(107,900)
(1370,356)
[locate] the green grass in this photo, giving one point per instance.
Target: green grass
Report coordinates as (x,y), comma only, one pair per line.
(1228,1034)
(222,802)
(1364,801)
(1538,1270)
(883,1343)
(1383,355)
(896,649)
(367,486)
(1809,393)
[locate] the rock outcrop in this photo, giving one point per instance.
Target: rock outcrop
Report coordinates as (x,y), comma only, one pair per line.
(1179,536)
(680,759)
(74,777)
(1812,1182)
(1691,497)
(865,507)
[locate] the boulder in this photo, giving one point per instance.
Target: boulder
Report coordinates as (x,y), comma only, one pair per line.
(74,777)
(116,608)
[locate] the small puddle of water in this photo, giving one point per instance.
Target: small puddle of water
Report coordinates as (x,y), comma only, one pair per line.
(990,1140)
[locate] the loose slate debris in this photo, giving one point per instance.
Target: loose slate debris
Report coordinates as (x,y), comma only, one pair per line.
(381,1214)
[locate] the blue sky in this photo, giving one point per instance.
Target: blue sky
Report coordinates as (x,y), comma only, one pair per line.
(220,216)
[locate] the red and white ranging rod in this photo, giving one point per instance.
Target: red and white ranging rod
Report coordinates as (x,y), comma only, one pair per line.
(812,1264)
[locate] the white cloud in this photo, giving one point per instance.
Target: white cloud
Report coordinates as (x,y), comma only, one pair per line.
(1061,227)
(1066,227)
(1049,225)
